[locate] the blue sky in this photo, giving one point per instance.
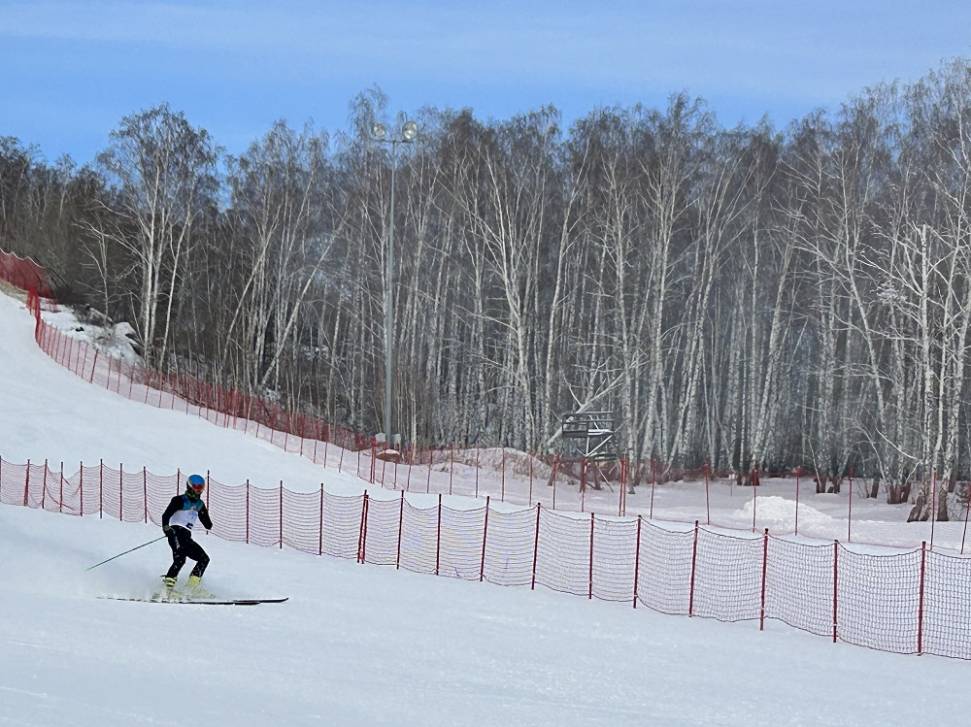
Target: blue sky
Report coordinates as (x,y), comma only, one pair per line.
(71,70)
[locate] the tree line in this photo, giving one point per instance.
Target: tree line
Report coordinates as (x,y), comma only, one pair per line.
(747,297)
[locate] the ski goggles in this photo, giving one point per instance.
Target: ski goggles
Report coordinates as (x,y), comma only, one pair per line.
(196,483)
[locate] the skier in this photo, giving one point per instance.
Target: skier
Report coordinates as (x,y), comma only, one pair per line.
(177,522)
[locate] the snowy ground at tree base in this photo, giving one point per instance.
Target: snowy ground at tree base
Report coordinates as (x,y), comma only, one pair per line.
(367,645)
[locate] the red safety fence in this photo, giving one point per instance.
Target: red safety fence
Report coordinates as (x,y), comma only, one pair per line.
(909,603)
(312,437)
(557,483)
(24,273)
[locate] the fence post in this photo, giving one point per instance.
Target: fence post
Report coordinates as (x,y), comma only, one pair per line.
(145,491)
(81,486)
(438,535)
(320,525)
(836,546)
(502,489)
(94,365)
(247,510)
(401,520)
(26,482)
(281,514)
(367,516)
(765,560)
(694,560)
(485,534)
(637,559)
(920,602)
(101,489)
(362,532)
(43,490)
(590,581)
(532,584)
(60,504)
(121,492)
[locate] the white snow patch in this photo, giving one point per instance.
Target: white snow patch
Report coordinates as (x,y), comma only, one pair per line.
(778,513)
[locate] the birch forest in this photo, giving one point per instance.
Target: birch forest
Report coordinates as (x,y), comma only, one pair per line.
(753,298)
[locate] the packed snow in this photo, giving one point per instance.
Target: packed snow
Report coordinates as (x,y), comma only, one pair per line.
(365,645)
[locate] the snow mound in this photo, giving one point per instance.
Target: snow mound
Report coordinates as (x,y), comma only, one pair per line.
(114,339)
(778,513)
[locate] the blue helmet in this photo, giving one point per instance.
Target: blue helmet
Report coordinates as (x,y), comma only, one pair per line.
(195,484)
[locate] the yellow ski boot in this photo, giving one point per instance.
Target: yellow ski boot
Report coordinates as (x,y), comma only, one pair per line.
(194,589)
(168,589)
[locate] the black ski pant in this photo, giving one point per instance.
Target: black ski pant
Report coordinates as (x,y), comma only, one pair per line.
(183,546)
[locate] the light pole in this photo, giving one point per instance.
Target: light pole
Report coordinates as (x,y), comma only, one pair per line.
(405,135)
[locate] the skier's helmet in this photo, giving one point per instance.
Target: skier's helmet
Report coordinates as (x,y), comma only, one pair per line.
(195,484)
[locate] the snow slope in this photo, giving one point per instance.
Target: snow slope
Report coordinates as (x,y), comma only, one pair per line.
(363,645)
(49,412)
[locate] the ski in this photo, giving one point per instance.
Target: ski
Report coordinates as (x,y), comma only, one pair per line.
(200,601)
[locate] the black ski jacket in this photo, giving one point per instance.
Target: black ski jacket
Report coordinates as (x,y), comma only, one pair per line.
(183,511)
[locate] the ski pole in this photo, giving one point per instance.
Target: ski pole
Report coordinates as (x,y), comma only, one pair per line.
(125,553)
